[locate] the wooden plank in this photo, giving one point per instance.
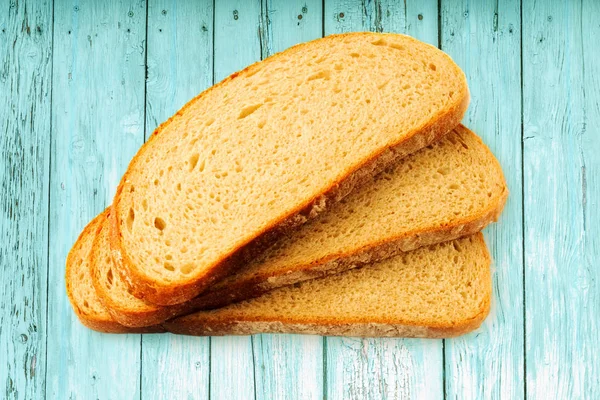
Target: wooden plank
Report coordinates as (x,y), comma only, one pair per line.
(25,81)
(97,126)
(282,361)
(288,366)
(237,36)
(561,186)
(237,44)
(383,368)
(176,366)
(287,23)
(489,362)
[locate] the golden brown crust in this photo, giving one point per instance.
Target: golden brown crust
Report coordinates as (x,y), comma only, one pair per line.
(363,327)
(100,323)
(158,293)
(127,316)
(332,265)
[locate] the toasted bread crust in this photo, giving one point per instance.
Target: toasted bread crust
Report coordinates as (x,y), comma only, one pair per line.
(100,323)
(161,294)
(334,263)
(262,284)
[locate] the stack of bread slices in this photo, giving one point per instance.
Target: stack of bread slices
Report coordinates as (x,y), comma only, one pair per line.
(329,189)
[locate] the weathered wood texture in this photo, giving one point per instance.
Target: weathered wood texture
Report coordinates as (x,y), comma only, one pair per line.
(83,83)
(97,126)
(25,79)
(561,149)
(484,39)
(384,368)
(179,66)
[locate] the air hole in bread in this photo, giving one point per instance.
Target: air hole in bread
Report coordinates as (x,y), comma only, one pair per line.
(379,42)
(248,110)
(193,161)
(384,84)
(109,277)
(396,46)
(261,124)
(444,170)
(86,304)
(432,67)
(168,266)
(456,246)
(320,75)
(321,59)
(354,55)
(156,182)
(187,268)
(130,219)
(209,121)
(159,223)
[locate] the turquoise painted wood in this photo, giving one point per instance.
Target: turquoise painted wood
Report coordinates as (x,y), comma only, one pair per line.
(384,368)
(83,83)
(97,126)
(484,39)
(176,73)
(25,91)
(561,160)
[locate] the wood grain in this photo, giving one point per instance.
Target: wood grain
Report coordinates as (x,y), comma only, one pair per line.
(561,159)
(75,107)
(97,126)
(383,368)
(176,72)
(489,363)
(237,44)
(25,81)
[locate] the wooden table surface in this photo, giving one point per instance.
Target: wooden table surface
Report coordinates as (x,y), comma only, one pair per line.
(82,85)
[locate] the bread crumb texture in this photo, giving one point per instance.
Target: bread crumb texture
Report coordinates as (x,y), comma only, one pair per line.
(443,285)
(454,180)
(255,148)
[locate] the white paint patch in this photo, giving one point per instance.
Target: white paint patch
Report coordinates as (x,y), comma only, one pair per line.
(132,123)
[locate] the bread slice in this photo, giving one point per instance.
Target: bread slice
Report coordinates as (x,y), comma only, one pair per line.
(80,290)
(433,292)
(270,147)
(452,188)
